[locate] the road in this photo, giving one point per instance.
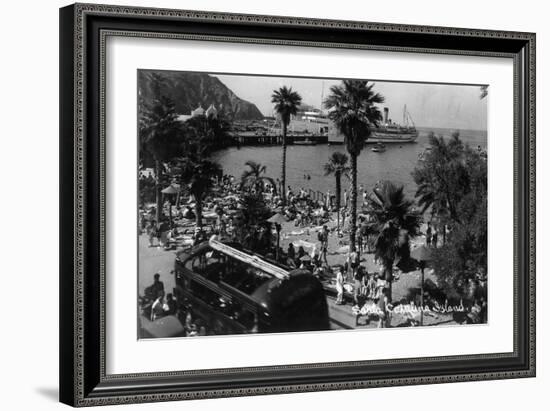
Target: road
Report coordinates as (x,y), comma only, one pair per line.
(153,260)
(156,260)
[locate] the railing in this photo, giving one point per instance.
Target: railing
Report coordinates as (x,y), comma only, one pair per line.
(253,260)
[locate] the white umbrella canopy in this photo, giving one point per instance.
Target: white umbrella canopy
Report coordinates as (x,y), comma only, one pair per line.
(277,218)
(171,189)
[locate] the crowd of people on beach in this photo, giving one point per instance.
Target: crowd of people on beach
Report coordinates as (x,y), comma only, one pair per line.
(301,209)
(351,282)
(221,208)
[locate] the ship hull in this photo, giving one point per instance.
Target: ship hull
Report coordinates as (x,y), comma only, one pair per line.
(377,136)
(381,137)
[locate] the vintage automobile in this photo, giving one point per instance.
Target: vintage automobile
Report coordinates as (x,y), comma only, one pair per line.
(235,291)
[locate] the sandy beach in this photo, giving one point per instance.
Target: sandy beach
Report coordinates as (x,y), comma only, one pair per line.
(158,260)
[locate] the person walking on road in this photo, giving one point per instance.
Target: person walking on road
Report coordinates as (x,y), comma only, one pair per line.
(339,286)
(323,238)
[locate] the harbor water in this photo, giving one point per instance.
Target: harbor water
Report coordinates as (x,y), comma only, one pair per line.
(395,164)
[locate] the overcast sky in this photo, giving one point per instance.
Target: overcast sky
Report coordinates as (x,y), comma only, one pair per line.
(430,105)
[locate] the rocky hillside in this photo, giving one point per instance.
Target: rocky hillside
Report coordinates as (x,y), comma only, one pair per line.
(189,89)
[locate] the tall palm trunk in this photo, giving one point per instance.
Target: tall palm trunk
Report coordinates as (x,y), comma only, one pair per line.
(158,190)
(283,165)
(198,211)
(388,276)
(353,197)
(338,199)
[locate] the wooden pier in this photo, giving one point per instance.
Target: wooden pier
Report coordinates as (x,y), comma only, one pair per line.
(267,139)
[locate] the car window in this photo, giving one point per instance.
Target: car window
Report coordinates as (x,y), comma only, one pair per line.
(208,263)
(244,277)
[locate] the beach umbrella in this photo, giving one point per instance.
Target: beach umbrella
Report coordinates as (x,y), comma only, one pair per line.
(277,219)
(422,254)
(171,189)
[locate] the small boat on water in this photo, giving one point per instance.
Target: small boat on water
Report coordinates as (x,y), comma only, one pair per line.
(306,142)
(379,147)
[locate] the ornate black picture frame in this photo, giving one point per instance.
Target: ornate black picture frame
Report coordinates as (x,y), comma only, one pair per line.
(83,31)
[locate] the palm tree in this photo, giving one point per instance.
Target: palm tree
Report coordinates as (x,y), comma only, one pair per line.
(198,176)
(213,129)
(352,109)
(198,171)
(253,177)
(251,227)
(337,165)
(395,220)
(443,179)
(286,104)
(159,138)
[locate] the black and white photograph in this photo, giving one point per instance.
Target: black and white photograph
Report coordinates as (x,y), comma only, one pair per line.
(292,204)
(251,205)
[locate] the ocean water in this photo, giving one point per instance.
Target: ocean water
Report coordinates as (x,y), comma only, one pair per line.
(395,164)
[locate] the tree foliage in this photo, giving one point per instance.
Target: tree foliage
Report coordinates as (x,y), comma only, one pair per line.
(214,132)
(337,165)
(254,178)
(395,220)
(251,228)
(443,178)
(452,183)
(286,103)
(158,125)
(352,108)
(170,144)
(197,171)
(146,190)
(159,137)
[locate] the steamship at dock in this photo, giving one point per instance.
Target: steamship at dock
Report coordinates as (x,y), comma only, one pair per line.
(388,132)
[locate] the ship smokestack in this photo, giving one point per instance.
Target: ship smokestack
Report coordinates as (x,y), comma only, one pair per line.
(386,113)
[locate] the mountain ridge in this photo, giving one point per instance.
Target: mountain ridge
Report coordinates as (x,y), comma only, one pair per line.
(189,90)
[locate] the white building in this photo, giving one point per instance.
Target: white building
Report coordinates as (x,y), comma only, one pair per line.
(211,111)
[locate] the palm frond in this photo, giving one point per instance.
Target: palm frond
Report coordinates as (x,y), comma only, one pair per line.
(393,216)
(286,102)
(352,106)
